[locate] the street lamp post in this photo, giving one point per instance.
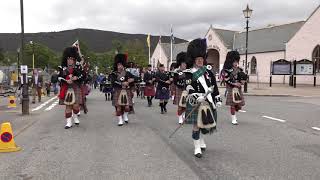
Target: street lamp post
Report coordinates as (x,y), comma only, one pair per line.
(18,61)
(247,14)
(32,44)
(25,94)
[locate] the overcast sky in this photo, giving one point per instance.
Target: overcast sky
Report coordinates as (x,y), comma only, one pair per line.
(190,18)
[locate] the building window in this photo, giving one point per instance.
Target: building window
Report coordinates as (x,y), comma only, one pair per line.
(316,57)
(253,67)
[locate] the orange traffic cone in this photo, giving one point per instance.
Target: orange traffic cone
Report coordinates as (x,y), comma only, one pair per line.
(7,143)
(12,102)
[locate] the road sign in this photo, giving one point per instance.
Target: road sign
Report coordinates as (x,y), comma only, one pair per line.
(6,137)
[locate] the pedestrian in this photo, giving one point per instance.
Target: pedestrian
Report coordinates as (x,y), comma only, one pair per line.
(48,87)
(149,90)
(181,94)
(162,92)
(120,80)
(37,84)
(234,78)
(54,82)
(71,77)
(203,95)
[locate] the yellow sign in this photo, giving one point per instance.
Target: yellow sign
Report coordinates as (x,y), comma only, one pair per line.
(12,102)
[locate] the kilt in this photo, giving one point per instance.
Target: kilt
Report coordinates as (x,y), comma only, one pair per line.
(149,90)
(192,119)
(77,93)
(229,99)
(177,96)
(84,89)
(116,95)
(172,89)
(107,89)
(141,88)
(163,94)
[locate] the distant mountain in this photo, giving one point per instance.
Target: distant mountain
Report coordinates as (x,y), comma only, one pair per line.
(96,40)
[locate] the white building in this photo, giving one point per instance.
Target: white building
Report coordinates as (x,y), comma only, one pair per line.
(294,41)
(162,54)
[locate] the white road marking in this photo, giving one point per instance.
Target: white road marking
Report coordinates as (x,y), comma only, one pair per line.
(242,111)
(44,104)
(316,128)
(275,119)
(52,105)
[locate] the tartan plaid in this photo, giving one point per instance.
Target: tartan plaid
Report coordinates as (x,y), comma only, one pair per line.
(116,95)
(162,94)
(193,118)
(199,73)
(177,96)
(172,89)
(149,90)
(229,100)
(77,93)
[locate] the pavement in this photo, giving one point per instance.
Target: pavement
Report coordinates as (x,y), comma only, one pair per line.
(277,138)
(261,89)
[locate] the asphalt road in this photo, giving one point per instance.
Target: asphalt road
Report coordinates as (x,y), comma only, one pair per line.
(277,138)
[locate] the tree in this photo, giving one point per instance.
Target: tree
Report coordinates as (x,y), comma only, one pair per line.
(44,57)
(1,56)
(137,52)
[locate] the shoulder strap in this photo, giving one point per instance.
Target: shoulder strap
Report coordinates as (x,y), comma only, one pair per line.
(199,73)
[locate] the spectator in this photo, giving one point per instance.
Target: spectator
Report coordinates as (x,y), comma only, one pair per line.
(54,82)
(36,83)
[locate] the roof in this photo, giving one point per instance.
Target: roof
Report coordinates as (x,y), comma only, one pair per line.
(176,49)
(313,12)
(269,39)
(226,36)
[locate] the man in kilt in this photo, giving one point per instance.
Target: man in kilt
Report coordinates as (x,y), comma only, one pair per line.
(180,86)
(71,77)
(84,88)
(203,94)
(135,72)
(122,96)
(172,87)
(162,92)
(149,90)
(234,78)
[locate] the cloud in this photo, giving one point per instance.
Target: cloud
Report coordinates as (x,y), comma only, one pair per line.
(190,18)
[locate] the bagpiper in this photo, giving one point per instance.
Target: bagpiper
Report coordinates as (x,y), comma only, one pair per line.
(179,80)
(135,72)
(162,92)
(234,78)
(120,80)
(172,86)
(71,77)
(203,95)
(149,90)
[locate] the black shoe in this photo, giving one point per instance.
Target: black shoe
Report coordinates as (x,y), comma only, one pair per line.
(203,149)
(198,155)
(165,109)
(77,124)
(126,122)
(67,127)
